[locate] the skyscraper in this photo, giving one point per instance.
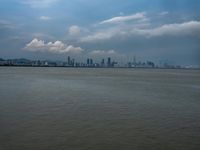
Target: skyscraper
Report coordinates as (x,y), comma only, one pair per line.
(88,62)
(73,62)
(109,62)
(103,63)
(91,62)
(68,61)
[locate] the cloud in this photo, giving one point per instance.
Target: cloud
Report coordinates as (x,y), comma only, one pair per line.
(102,52)
(117,29)
(98,36)
(38,3)
(57,47)
(119,19)
(191,28)
(108,33)
(74,30)
(40,35)
(45,18)
(105,53)
(164,13)
(6,24)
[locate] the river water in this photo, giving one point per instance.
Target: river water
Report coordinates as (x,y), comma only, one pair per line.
(99,109)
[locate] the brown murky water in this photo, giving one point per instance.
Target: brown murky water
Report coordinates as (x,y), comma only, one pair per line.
(99,109)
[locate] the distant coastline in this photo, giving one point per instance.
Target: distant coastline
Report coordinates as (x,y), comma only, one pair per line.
(71,63)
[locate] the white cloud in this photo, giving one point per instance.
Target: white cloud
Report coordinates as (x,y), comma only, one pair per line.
(108,33)
(118,19)
(98,36)
(38,3)
(102,52)
(74,30)
(57,47)
(191,28)
(45,18)
(119,29)
(105,34)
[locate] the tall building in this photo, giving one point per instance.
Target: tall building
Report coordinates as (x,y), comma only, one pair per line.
(68,61)
(91,62)
(103,63)
(109,62)
(72,62)
(88,62)
(134,60)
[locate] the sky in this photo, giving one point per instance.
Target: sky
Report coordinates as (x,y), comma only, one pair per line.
(156,30)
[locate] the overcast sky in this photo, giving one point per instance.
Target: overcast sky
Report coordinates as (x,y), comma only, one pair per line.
(157,30)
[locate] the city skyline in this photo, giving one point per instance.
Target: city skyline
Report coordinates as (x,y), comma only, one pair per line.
(160,30)
(91,63)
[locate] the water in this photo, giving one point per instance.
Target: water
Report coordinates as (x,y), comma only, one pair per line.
(99,109)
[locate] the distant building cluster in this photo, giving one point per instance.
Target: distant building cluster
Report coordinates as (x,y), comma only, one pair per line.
(71,62)
(89,63)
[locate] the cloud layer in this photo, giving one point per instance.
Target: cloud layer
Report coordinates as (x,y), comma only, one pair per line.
(102,52)
(125,18)
(74,30)
(190,28)
(6,24)
(57,47)
(38,3)
(45,18)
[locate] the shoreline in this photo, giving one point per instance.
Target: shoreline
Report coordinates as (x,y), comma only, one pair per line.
(78,67)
